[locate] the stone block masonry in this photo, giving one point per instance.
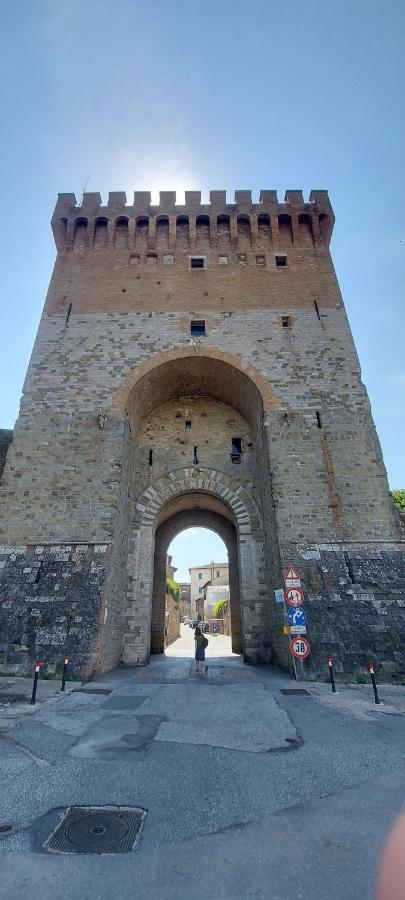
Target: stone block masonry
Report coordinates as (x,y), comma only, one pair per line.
(167,333)
(52,596)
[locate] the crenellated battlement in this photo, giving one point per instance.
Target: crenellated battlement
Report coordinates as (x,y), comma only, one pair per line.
(222,222)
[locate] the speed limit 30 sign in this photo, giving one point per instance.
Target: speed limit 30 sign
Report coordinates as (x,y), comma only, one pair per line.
(300,648)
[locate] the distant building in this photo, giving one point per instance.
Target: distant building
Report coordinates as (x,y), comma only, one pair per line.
(215,590)
(200,576)
(185,598)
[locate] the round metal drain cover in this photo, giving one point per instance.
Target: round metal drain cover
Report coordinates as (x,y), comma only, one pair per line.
(92,829)
(96,831)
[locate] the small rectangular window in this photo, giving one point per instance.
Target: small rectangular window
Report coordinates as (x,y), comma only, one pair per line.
(188,424)
(236,450)
(261,261)
(242,259)
(286,321)
(281,262)
(168,259)
(218,574)
(200,590)
(197,262)
(200,575)
(197,328)
(223,260)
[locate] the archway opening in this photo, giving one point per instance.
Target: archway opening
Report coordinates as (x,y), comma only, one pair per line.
(197,511)
(197,456)
(199,585)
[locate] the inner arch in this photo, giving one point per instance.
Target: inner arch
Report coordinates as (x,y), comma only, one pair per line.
(179,515)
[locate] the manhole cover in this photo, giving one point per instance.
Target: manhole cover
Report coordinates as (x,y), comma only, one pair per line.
(96,829)
(295,691)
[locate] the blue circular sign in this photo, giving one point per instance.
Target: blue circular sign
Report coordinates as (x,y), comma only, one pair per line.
(296,615)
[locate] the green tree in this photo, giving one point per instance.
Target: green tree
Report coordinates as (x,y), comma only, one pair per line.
(173,589)
(220,608)
(399,498)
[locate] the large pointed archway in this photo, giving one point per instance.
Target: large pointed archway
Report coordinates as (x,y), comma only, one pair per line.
(195,436)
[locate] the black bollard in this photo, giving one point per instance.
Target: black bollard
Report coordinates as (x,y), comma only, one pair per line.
(332,677)
(373,682)
(34,686)
(65,665)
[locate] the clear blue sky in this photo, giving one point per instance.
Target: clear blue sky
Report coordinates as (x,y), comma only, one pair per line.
(148,94)
(196,547)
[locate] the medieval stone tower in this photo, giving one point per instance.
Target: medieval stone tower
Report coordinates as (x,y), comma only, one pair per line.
(194,366)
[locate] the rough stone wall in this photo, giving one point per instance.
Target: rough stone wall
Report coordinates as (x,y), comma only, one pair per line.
(172,620)
(355,602)
(5,440)
(51,598)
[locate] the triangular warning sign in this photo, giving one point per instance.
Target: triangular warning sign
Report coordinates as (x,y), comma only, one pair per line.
(291,573)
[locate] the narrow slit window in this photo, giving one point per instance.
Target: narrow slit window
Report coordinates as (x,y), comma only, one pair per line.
(317,309)
(319,419)
(236,450)
(68,313)
(150,457)
(197,328)
(197,262)
(286,321)
(281,262)
(195,457)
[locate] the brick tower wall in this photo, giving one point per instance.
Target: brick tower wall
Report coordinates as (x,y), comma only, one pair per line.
(122,297)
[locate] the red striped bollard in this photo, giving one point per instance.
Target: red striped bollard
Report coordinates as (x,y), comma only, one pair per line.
(332,677)
(373,682)
(34,686)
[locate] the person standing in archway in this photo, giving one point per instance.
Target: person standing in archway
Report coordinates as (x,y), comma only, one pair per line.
(201,642)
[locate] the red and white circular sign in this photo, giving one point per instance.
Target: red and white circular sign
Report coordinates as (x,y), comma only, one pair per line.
(300,648)
(294,596)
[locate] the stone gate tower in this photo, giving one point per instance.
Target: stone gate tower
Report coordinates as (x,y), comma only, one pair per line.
(194,365)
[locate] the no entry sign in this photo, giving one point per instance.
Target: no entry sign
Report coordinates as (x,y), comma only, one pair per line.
(294,596)
(300,648)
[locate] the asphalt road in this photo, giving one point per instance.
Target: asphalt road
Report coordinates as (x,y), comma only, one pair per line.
(249,793)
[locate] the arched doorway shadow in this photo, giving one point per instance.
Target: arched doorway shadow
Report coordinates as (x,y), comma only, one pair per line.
(211,514)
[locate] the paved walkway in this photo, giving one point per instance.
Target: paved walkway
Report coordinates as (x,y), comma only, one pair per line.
(249,793)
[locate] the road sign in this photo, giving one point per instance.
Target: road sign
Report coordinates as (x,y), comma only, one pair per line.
(294,596)
(300,648)
(292,577)
(296,615)
(298,629)
(279,595)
